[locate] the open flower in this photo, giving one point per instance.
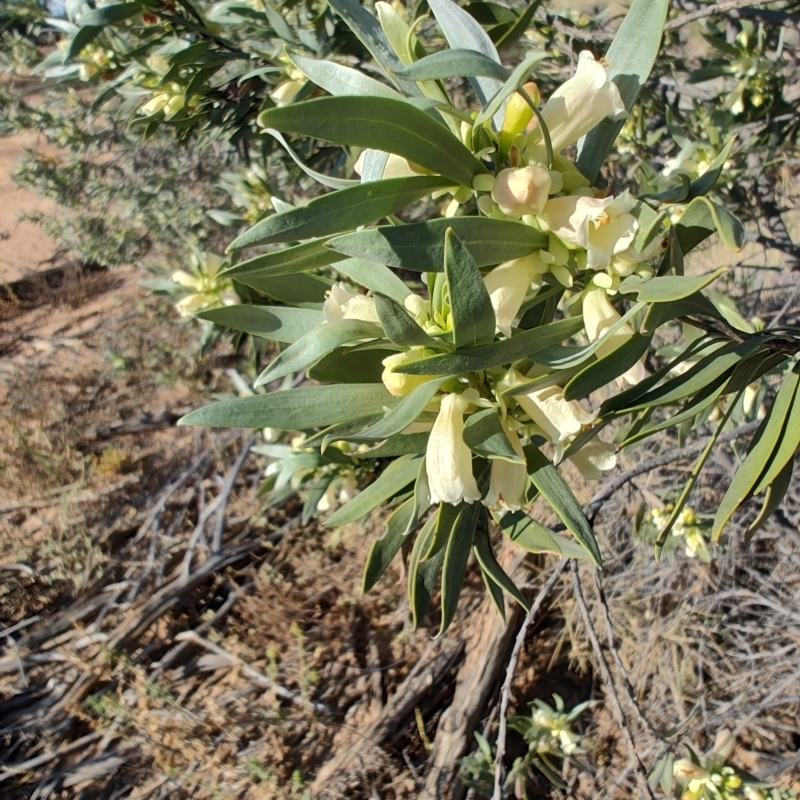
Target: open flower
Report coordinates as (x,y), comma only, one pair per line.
(508,284)
(595,458)
(341,303)
(580,103)
(603,226)
(523,190)
(598,316)
(447,459)
(170,100)
(206,290)
(509,480)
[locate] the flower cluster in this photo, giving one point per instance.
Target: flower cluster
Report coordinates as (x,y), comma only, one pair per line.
(206,289)
(685,530)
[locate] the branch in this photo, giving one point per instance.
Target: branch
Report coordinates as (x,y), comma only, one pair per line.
(715,8)
(615,484)
(605,675)
(499,771)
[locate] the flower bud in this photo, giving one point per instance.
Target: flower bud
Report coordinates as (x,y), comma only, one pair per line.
(397,383)
(522,191)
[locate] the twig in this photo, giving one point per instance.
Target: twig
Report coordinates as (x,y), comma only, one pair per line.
(605,675)
(499,771)
(32,763)
(225,493)
(625,680)
(715,8)
(255,675)
(615,484)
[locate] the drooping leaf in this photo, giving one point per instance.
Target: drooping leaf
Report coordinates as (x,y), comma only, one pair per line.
(270,322)
(701,218)
(400,444)
(109,14)
(523,345)
(315,344)
(422,574)
(300,258)
(348,365)
(295,409)
(456,556)
(379,123)
(419,246)
(485,436)
(535,538)
(319,177)
(385,549)
(607,369)
(390,482)
(484,555)
(630,57)
(669,288)
(339,80)
(403,414)
(764,447)
(399,326)
(547,479)
(342,210)
(375,277)
(453,63)
(470,305)
(773,498)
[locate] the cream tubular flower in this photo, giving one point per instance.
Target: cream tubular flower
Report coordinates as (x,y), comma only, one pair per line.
(603,226)
(285,92)
(507,286)
(447,459)
(523,190)
(341,303)
(561,420)
(595,458)
(509,481)
(395,167)
(578,105)
(397,383)
(598,316)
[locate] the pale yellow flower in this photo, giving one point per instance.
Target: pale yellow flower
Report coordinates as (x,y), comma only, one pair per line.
(448,460)
(509,480)
(595,458)
(522,191)
(508,284)
(341,303)
(397,383)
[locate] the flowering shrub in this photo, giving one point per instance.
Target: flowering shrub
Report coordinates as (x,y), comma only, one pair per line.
(538,293)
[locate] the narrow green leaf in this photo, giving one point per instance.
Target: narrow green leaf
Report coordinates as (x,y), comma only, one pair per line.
(535,538)
(446,517)
(453,63)
(776,491)
(762,450)
(422,574)
(319,177)
(554,489)
(456,555)
(524,345)
(668,288)
(295,409)
(601,373)
(391,481)
(400,444)
(375,277)
(419,246)
(630,57)
(701,218)
(471,308)
(385,549)
(484,555)
(300,258)
(342,210)
(315,494)
(485,436)
(403,414)
(399,326)
(109,14)
(382,124)
(269,322)
(339,80)
(348,365)
(316,343)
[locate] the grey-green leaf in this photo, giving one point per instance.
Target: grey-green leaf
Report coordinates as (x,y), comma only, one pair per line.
(287,261)
(379,123)
(484,554)
(630,57)
(523,345)
(295,409)
(485,436)
(419,246)
(456,556)
(375,277)
(339,80)
(668,288)
(453,63)
(270,322)
(315,344)
(530,535)
(342,210)
(385,549)
(471,307)
(393,479)
(555,490)
(399,326)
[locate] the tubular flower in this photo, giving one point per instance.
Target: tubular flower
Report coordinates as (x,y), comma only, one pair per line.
(603,226)
(507,286)
(206,290)
(341,303)
(598,316)
(397,383)
(509,480)
(285,92)
(561,420)
(395,167)
(448,460)
(522,191)
(582,102)
(595,458)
